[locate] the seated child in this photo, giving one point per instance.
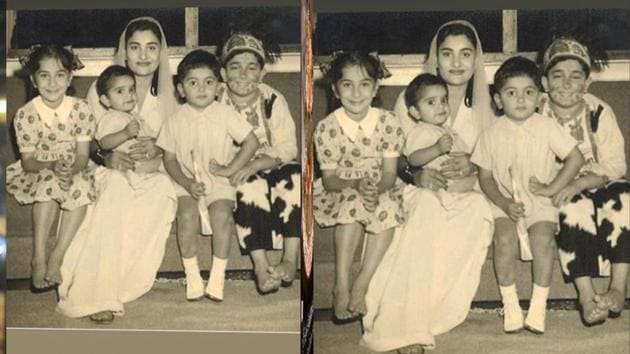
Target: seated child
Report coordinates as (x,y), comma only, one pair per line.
(120,127)
(431,140)
(200,134)
(519,150)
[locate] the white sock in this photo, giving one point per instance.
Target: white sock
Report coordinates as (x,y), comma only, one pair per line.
(509,294)
(194,282)
(539,296)
(217,278)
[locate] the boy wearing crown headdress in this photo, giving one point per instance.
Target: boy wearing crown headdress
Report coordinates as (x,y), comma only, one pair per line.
(594,229)
(268,196)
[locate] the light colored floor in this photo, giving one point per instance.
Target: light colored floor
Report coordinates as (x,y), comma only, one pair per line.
(482,333)
(165,308)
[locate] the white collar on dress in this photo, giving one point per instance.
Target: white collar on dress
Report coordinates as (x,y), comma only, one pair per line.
(351,127)
(48,114)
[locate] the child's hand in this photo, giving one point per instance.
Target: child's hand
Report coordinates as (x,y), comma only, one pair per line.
(538,188)
(444,143)
(514,210)
(132,129)
(196,190)
(63,170)
(217,169)
(368,190)
(565,195)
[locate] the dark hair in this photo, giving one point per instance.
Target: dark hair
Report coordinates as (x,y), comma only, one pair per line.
(558,59)
(198,59)
(53,51)
(414,91)
(458,29)
(516,67)
(236,52)
(370,64)
(105,80)
(146,25)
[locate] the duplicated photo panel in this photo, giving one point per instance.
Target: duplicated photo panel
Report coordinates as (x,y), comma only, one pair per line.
(153,174)
(452,151)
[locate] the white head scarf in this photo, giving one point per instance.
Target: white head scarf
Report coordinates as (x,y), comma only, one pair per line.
(481,108)
(165,88)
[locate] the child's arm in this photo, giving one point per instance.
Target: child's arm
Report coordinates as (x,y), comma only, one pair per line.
(422,157)
(489,187)
(32,165)
(82,157)
(246,152)
(569,170)
(174,169)
(111,141)
(582,183)
(334,183)
(388,178)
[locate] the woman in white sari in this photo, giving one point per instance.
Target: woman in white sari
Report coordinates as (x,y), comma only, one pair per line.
(118,249)
(430,273)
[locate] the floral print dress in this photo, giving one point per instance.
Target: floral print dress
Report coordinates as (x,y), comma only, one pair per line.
(353,158)
(50,140)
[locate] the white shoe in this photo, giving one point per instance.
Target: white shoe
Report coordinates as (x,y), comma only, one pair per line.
(194,287)
(512,318)
(214,290)
(535,321)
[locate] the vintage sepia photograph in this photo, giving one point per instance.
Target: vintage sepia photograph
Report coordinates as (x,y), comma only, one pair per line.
(471,187)
(153,171)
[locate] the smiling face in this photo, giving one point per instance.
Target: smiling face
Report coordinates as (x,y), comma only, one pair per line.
(356,90)
(432,107)
(143,52)
(199,87)
(243,73)
(456,59)
(518,98)
(121,95)
(566,82)
(51,81)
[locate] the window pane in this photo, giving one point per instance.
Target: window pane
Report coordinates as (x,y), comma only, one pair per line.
(90,28)
(610,26)
(278,25)
(399,32)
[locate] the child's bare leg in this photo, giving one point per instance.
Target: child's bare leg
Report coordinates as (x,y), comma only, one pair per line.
(222,223)
(346,239)
(288,266)
(264,277)
(615,297)
(376,247)
(188,228)
(591,312)
(541,237)
(44,215)
(70,222)
(505,253)
(505,250)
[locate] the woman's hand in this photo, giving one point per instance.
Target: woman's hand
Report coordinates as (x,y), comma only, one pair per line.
(242,175)
(566,194)
(119,161)
(538,188)
(430,178)
(457,166)
(144,149)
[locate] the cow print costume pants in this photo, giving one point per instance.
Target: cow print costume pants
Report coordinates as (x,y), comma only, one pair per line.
(595,231)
